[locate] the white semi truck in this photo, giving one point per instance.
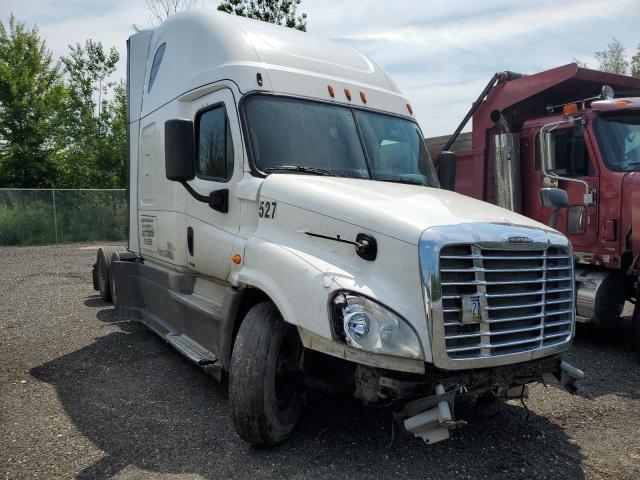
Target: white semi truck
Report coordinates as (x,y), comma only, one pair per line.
(287,230)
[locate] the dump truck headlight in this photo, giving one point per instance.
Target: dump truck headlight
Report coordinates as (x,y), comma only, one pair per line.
(362,323)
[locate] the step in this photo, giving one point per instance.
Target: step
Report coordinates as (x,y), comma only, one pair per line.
(198,302)
(191,350)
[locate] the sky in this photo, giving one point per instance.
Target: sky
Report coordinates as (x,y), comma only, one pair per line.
(441,53)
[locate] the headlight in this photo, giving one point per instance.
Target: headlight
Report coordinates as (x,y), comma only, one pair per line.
(365,324)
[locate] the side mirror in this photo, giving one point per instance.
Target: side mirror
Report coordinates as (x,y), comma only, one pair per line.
(219,200)
(555,199)
(447,170)
(179,158)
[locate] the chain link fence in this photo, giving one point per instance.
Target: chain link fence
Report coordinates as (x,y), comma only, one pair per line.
(46,216)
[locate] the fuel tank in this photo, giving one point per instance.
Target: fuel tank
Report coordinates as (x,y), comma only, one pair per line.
(600,295)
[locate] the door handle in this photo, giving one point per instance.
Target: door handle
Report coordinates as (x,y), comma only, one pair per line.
(190,240)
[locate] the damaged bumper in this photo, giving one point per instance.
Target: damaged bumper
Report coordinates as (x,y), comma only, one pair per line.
(429,410)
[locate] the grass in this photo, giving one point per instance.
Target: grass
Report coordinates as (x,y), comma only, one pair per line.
(28,217)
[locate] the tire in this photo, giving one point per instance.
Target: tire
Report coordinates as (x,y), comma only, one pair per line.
(265,403)
(103,271)
(635,330)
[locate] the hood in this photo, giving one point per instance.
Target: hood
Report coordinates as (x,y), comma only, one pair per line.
(394,209)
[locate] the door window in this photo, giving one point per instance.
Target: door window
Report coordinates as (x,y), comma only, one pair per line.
(215,148)
(155,66)
(569,154)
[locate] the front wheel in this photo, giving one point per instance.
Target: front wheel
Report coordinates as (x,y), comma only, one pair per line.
(635,329)
(265,403)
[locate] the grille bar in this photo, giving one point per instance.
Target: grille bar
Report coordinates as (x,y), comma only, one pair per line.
(503,270)
(488,257)
(510,331)
(513,282)
(516,294)
(526,303)
(507,344)
(511,307)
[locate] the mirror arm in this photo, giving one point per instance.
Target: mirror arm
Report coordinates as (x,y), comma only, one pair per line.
(553,221)
(194,194)
(217,200)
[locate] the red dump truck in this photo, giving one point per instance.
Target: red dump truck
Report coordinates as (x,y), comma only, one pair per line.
(573,129)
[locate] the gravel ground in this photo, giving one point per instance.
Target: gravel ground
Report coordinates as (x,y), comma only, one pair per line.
(84,397)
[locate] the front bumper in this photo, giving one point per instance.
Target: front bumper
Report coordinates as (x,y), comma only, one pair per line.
(431,418)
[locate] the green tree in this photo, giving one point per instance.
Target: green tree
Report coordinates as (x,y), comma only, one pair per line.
(91,115)
(280,12)
(31,92)
(160,10)
(115,121)
(635,63)
(612,59)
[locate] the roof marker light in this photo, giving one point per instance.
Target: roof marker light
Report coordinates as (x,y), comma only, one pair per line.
(363,96)
(570,109)
(331,91)
(347,93)
(259,79)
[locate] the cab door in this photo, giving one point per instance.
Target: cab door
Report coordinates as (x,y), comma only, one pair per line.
(218,155)
(572,159)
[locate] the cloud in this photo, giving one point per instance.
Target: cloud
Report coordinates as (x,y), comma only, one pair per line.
(499,26)
(74,21)
(442,62)
(440,53)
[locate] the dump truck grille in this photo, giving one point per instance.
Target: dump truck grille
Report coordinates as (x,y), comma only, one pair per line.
(501,302)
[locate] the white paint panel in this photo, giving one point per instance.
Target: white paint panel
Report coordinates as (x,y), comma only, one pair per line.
(206,46)
(398,210)
(133,240)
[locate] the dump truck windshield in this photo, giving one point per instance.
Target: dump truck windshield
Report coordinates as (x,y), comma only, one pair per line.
(302,136)
(618,136)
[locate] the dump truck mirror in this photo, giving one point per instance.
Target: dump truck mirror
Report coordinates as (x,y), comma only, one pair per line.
(447,170)
(179,158)
(555,199)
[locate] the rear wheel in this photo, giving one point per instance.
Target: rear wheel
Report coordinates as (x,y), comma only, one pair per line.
(103,276)
(263,395)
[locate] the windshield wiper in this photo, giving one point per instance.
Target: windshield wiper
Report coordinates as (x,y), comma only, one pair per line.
(401,180)
(628,166)
(299,168)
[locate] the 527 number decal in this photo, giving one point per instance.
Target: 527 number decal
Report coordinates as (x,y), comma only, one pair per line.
(267,209)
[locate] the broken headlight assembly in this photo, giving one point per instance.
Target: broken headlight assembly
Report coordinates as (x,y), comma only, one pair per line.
(364,324)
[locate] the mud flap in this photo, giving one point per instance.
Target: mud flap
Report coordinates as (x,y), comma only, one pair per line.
(430,418)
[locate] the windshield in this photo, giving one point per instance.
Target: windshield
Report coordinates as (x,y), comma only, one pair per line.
(302,136)
(619,139)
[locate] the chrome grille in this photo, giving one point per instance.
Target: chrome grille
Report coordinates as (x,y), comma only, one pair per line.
(526,297)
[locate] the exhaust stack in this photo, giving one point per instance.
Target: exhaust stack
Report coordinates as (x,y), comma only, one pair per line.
(508,186)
